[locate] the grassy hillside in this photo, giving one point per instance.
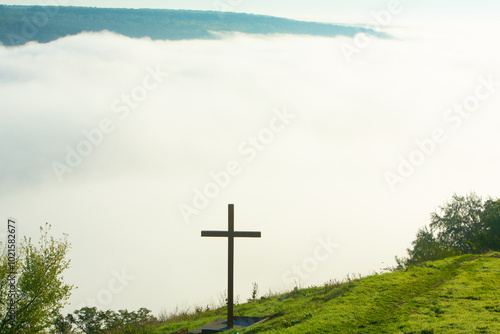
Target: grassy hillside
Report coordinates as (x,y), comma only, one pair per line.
(455,295)
(21,24)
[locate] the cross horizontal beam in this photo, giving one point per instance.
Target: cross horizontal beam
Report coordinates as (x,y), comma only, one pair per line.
(236,234)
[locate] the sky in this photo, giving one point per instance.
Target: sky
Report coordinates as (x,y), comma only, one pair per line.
(336,149)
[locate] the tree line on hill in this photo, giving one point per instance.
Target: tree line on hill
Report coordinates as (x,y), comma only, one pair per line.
(90,320)
(33,286)
(21,24)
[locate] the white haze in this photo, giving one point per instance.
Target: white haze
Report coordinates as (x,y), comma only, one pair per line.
(322,176)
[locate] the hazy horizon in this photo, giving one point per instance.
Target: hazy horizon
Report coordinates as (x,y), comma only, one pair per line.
(340,11)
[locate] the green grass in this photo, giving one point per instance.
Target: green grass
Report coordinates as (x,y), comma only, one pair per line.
(455,295)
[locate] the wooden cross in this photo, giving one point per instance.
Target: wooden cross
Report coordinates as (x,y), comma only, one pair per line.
(230,234)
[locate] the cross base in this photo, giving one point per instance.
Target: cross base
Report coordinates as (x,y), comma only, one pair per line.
(221,324)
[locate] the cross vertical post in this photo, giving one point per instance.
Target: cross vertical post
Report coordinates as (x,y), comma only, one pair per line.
(230,265)
(230,234)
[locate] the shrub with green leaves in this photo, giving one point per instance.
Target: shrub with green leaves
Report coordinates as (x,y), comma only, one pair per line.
(40,290)
(465,225)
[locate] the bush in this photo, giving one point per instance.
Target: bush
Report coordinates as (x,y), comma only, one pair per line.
(40,291)
(464,225)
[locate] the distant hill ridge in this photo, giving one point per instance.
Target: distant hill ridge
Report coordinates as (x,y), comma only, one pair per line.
(43,24)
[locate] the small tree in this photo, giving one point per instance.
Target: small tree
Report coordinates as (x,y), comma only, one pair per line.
(424,248)
(62,325)
(88,320)
(40,290)
(490,220)
(459,225)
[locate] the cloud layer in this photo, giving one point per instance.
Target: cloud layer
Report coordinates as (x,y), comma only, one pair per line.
(134,146)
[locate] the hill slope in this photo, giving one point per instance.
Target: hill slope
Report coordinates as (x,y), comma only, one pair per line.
(455,295)
(21,24)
